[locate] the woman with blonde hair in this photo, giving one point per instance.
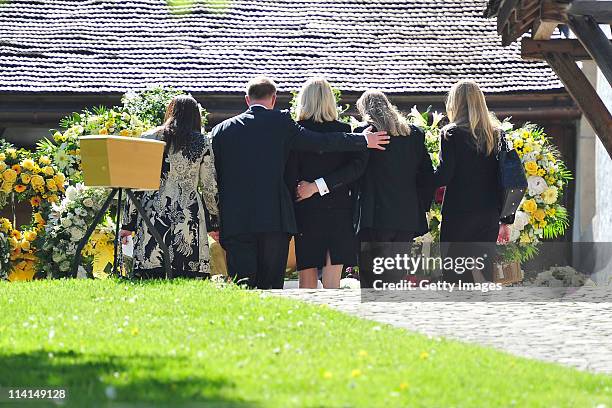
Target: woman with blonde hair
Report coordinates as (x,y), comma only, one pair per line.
(322,182)
(469,170)
(394,210)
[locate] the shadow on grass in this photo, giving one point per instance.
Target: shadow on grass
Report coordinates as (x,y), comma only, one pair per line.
(110,380)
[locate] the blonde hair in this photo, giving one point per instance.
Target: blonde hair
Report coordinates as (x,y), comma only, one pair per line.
(376,109)
(466,108)
(316,101)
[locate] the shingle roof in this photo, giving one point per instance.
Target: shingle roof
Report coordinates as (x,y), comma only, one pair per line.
(418,46)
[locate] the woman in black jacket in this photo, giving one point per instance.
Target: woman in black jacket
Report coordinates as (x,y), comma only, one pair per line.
(396,189)
(469,170)
(322,182)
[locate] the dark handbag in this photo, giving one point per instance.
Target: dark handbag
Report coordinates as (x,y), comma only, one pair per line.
(511,176)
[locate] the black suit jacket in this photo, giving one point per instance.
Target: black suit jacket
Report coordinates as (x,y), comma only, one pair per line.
(470,177)
(251,152)
(338,169)
(397,188)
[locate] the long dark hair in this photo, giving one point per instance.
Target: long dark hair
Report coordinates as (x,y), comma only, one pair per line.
(181,121)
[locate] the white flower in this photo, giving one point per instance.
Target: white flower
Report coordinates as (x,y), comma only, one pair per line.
(64,266)
(417,117)
(88,202)
(521,219)
(515,233)
(76,233)
(58,257)
(71,193)
(536,185)
(66,222)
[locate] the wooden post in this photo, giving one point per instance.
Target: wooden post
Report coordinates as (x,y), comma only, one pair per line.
(584,94)
(594,41)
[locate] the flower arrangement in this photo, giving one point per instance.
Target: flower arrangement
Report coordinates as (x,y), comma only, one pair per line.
(540,215)
(6,228)
(67,224)
(17,252)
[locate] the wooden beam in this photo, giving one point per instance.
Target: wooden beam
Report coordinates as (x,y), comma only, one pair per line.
(601,10)
(594,41)
(552,13)
(535,49)
(576,83)
(504,13)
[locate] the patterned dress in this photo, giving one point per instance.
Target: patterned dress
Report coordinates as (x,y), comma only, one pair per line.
(180,210)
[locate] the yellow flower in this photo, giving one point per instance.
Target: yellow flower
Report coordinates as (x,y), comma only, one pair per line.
(525,134)
(59,179)
(551,211)
(2,157)
(30,235)
(542,224)
(6,187)
(530,206)
(355,373)
(541,172)
(51,185)
(550,195)
(35,202)
(37,181)
(36,169)
(103,131)
(2,166)
(25,245)
(9,175)
(16,168)
(517,143)
(25,178)
(48,170)
(28,164)
(58,137)
(124,132)
(531,167)
(53,198)
(38,218)
(525,238)
(16,234)
(44,160)
(11,152)
(20,188)
(539,214)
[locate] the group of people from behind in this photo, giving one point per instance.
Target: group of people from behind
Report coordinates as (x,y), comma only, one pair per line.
(264,178)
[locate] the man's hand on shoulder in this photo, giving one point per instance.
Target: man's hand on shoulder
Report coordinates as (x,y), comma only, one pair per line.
(376,140)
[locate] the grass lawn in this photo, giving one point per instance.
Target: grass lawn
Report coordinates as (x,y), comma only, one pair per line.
(190,343)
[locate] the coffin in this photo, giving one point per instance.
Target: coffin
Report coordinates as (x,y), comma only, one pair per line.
(121,162)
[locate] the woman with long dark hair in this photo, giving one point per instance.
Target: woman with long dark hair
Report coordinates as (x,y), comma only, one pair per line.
(185,202)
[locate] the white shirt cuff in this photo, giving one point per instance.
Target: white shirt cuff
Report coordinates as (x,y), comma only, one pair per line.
(322,186)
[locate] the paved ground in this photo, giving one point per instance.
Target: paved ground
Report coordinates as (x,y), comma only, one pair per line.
(577,334)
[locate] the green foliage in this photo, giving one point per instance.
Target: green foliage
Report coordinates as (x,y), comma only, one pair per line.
(187,343)
(518,252)
(558,226)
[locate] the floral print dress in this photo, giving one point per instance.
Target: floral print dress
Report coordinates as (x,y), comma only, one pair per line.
(185,203)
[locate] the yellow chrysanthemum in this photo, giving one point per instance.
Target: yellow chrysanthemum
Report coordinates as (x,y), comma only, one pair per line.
(125,132)
(530,206)
(550,195)
(103,131)
(28,164)
(517,143)
(525,238)
(541,172)
(525,134)
(551,211)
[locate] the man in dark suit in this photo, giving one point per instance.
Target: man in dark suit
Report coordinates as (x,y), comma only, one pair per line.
(256,207)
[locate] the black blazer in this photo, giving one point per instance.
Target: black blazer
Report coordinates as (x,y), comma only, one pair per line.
(397,188)
(251,152)
(338,169)
(470,177)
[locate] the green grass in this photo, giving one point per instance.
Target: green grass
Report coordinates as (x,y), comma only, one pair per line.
(182,342)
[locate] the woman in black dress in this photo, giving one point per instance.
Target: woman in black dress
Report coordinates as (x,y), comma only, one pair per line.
(468,168)
(322,182)
(396,189)
(185,201)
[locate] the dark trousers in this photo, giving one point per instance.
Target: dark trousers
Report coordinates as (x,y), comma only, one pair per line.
(258,260)
(471,234)
(373,244)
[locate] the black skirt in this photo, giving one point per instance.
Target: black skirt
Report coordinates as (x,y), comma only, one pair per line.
(324,230)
